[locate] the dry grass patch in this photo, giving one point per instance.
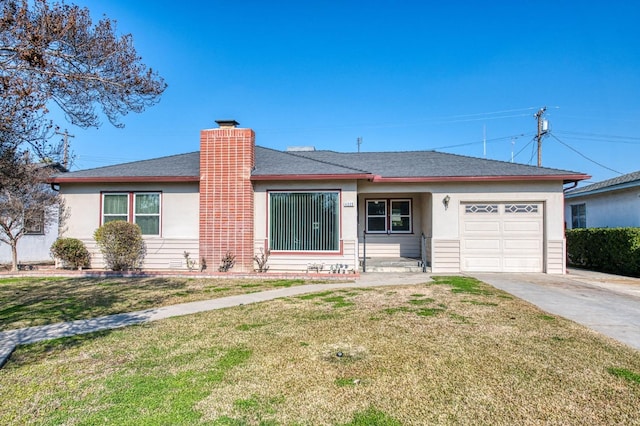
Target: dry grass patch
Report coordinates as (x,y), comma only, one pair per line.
(28,302)
(305,360)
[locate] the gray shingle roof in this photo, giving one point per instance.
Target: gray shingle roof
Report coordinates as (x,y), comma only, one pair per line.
(406,164)
(270,162)
(624,181)
(181,165)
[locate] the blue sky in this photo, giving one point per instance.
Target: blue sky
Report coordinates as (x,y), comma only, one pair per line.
(401,75)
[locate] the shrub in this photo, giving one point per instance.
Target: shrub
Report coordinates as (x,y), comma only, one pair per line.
(121,245)
(72,252)
(227,262)
(613,250)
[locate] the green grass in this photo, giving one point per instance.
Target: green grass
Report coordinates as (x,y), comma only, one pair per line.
(625,374)
(27,302)
(465,285)
(316,295)
(372,417)
(338,301)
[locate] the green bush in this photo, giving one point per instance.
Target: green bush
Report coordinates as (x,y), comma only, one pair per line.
(72,252)
(121,245)
(613,250)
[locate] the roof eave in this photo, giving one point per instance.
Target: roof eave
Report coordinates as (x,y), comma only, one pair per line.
(611,188)
(123,179)
(501,178)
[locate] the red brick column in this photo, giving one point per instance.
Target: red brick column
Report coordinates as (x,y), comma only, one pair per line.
(227,156)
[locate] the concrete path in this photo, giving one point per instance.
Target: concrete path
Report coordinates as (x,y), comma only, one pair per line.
(609,304)
(10,339)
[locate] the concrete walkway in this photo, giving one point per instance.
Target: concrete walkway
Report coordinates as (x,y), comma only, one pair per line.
(10,339)
(609,304)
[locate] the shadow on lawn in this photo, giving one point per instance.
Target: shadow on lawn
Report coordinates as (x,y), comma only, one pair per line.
(35,352)
(34,302)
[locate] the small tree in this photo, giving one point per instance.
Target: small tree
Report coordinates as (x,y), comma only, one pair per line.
(27,203)
(121,245)
(72,252)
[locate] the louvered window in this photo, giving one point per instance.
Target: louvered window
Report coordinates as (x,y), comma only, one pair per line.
(304,221)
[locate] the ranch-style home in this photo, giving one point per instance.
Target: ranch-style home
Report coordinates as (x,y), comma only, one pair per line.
(308,207)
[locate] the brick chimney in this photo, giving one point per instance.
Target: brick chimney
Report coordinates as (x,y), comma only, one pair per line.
(227,157)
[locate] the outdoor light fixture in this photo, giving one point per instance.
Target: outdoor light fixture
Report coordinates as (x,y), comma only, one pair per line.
(445,201)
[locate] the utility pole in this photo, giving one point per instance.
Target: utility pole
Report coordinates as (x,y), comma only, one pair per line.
(65,145)
(542,130)
(359,142)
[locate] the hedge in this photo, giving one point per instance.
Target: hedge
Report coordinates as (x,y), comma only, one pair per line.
(612,250)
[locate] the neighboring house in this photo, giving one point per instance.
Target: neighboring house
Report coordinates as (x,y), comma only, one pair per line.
(317,207)
(608,204)
(35,244)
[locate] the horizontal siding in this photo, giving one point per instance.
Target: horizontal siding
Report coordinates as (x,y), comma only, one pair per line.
(301,262)
(556,257)
(445,256)
(394,245)
(162,253)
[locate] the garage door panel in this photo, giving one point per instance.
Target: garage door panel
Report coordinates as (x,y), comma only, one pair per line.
(476,226)
(482,244)
(522,244)
(482,264)
(519,264)
(524,226)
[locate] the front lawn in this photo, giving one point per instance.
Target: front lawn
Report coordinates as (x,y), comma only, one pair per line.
(454,351)
(28,302)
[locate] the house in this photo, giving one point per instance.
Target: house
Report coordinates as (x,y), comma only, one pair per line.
(313,207)
(611,203)
(34,246)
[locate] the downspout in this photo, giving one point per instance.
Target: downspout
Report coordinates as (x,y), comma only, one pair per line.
(575,183)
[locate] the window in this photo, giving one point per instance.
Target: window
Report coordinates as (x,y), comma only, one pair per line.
(304,221)
(480,208)
(579,216)
(141,208)
(521,208)
(388,216)
(115,207)
(147,213)
(34,223)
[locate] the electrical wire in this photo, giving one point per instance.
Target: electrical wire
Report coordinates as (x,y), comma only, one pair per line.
(438,120)
(598,137)
(584,156)
(523,148)
(477,142)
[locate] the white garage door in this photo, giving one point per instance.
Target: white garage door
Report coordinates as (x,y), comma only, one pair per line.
(501,237)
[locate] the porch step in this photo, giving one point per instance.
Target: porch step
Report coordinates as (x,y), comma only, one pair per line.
(396,264)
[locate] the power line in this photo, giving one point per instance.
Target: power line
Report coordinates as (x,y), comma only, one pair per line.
(584,156)
(478,142)
(492,115)
(596,136)
(525,147)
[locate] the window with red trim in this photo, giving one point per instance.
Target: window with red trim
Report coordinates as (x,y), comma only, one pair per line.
(141,208)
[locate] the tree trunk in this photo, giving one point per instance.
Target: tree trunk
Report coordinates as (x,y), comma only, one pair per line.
(14,255)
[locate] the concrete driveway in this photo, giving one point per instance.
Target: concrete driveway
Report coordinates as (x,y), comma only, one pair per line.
(609,304)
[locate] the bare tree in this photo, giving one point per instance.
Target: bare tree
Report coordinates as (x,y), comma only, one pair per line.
(28,203)
(52,53)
